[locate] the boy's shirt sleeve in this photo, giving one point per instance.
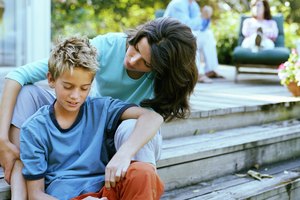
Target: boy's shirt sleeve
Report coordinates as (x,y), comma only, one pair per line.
(32,154)
(115,110)
(30,73)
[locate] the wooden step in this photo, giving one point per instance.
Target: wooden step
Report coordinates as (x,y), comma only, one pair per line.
(189,160)
(283,185)
(4,187)
(224,118)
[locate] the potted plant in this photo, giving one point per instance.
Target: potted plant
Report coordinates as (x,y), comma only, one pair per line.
(289,73)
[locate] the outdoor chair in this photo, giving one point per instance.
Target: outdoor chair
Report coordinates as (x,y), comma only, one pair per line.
(270,58)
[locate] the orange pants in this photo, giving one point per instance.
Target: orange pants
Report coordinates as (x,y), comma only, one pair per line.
(140,183)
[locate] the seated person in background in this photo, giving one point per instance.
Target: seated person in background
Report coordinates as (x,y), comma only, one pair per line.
(188,12)
(65,146)
(260,31)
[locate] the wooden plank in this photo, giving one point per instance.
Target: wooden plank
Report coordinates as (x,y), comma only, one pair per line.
(208,168)
(225,182)
(264,189)
(4,190)
(179,150)
(229,118)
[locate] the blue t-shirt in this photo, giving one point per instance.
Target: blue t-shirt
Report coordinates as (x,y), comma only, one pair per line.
(111,80)
(72,160)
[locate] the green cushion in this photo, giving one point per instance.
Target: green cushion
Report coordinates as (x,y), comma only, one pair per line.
(274,56)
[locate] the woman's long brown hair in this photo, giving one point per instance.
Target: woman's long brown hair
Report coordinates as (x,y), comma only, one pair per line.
(173,51)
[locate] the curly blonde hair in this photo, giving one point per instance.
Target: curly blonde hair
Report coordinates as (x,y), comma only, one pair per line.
(70,53)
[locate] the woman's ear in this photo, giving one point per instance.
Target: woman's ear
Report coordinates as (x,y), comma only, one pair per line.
(51,80)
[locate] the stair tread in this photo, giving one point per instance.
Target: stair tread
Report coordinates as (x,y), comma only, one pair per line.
(200,146)
(235,187)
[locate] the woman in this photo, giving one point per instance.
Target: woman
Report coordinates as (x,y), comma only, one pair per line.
(152,65)
(260,31)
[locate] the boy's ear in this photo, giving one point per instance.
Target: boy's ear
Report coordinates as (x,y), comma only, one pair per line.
(51,80)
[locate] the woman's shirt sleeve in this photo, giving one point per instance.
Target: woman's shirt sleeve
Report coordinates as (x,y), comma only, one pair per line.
(30,73)
(270,29)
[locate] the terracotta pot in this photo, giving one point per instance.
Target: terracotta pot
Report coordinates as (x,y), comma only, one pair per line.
(294,89)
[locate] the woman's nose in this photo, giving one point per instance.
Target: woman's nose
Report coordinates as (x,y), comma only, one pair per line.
(135,58)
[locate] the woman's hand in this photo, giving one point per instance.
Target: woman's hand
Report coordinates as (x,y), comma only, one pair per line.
(9,153)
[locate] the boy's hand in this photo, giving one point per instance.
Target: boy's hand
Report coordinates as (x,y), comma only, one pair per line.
(116,169)
(93,198)
(9,153)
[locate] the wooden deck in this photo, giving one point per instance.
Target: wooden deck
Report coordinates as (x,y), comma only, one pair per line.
(250,90)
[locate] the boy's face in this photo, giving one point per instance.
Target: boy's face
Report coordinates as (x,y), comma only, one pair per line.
(71,89)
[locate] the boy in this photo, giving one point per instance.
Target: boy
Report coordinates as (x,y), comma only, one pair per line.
(66,146)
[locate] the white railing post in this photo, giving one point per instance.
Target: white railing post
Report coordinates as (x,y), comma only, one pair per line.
(38,23)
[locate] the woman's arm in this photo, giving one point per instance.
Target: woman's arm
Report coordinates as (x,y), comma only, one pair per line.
(270,29)
(147,125)
(8,151)
(14,81)
(247,27)
(36,190)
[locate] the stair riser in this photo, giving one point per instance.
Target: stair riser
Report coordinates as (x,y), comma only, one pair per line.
(283,192)
(212,121)
(183,174)
(5,195)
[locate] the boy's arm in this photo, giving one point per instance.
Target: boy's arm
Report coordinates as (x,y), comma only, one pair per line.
(36,190)
(147,125)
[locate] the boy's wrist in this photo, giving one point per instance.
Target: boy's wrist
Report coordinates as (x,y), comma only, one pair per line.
(3,140)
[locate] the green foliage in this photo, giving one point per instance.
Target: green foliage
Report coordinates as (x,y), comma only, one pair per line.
(93,17)
(226,33)
(290,37)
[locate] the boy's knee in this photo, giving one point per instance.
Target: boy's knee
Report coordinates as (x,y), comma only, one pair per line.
(144,181)
(141,170)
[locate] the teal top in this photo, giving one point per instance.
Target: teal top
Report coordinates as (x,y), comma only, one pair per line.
(111,80)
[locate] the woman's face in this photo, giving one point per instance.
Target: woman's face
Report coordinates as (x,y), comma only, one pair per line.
(258,9)
(138,57)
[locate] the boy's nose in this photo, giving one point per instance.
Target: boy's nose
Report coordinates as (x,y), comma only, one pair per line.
(75,94)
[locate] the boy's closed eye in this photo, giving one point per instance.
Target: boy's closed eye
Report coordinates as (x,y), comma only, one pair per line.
(70,87)
(85,88)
